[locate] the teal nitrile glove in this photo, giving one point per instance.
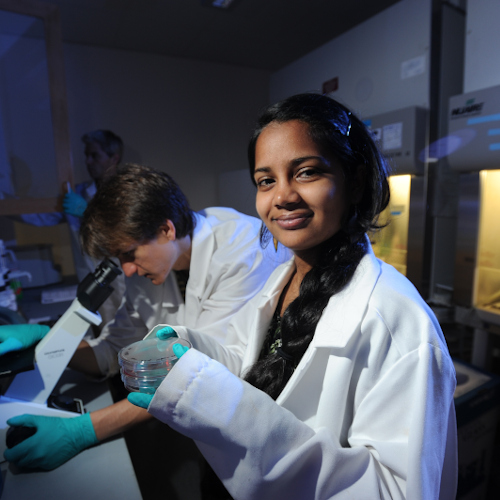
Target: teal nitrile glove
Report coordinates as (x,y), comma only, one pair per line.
(140,399)
(56,440)
(166,333)
(74,204)
(179,350)
(18,337)
(144,400)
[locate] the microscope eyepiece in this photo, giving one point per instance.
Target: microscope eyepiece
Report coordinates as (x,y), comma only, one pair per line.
(95,287)
(106,272)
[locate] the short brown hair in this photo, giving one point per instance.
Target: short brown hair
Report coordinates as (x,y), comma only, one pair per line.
(130,207)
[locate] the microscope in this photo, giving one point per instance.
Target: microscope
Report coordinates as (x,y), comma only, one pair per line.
(30,391)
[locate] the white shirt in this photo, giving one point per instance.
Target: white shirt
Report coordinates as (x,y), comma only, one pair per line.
(367,414)
(228,267)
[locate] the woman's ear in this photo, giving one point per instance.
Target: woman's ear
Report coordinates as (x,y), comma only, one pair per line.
(167,230)
(358,185)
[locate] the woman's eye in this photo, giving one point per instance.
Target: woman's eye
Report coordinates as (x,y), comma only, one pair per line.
(307,173)
(265,182)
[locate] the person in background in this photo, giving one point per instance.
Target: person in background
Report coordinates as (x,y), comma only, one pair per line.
(335,381)
(103,153)
(182,267)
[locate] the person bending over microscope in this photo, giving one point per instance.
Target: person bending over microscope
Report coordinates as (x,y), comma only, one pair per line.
(182,268)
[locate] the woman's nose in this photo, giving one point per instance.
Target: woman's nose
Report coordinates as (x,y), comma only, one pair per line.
(129,268)
(286,194)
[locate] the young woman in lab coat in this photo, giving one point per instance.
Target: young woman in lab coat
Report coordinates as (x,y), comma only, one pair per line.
(335,381)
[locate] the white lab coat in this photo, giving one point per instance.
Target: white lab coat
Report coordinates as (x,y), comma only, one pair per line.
(228,267)
(367,414)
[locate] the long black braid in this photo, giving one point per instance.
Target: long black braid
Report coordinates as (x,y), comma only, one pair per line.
(344,136)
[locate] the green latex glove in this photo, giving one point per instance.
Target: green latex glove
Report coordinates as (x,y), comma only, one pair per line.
(166,333)
(18,337)
(143,400)
(56,440)
(74,204)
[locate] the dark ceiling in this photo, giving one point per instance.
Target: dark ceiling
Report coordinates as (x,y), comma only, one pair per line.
(261,34)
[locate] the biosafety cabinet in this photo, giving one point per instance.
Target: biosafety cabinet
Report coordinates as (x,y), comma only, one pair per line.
(474,151)
(401,136)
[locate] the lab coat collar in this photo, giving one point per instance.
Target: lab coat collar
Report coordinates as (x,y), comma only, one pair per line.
(266,306)
(342,316)
(344,311)
(279,279)
(202,245)
(90,191)
(202,249)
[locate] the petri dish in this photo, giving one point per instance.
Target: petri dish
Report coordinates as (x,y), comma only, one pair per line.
(144,364)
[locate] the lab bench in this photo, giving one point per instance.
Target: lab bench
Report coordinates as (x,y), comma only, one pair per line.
(102,471)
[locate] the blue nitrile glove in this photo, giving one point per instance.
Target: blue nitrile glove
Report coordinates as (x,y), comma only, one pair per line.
(166,333)
(17,337)
(74,204)
(143,400)
(56,440)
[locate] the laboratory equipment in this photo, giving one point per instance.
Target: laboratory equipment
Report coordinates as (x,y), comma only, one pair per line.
(401,136)
(29,391)
(474,152)
(144,364)
(477,406)
(7,294)
(16,435)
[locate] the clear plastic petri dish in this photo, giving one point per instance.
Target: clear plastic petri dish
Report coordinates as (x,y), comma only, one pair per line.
(144,364)
(147,385)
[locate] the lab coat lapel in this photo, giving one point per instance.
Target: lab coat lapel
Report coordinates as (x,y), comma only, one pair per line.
(342,316)
(202,250)
(268,302)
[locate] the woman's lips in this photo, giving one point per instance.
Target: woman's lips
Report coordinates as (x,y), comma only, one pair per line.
(292,221)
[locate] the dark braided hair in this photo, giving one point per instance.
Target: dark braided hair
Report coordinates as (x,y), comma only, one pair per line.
(334,129)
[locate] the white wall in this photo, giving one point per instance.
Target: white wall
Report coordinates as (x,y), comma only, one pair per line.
(369,61)
(26,141)
(237,191)
(189,118)
(482,45)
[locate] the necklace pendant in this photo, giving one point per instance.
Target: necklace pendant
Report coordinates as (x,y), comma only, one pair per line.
(275,345)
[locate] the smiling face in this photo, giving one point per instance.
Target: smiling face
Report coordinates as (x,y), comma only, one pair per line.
(153,259)
(301,193)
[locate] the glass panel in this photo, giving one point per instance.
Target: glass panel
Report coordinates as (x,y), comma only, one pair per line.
(487,279)
(391,243)
(27,156)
